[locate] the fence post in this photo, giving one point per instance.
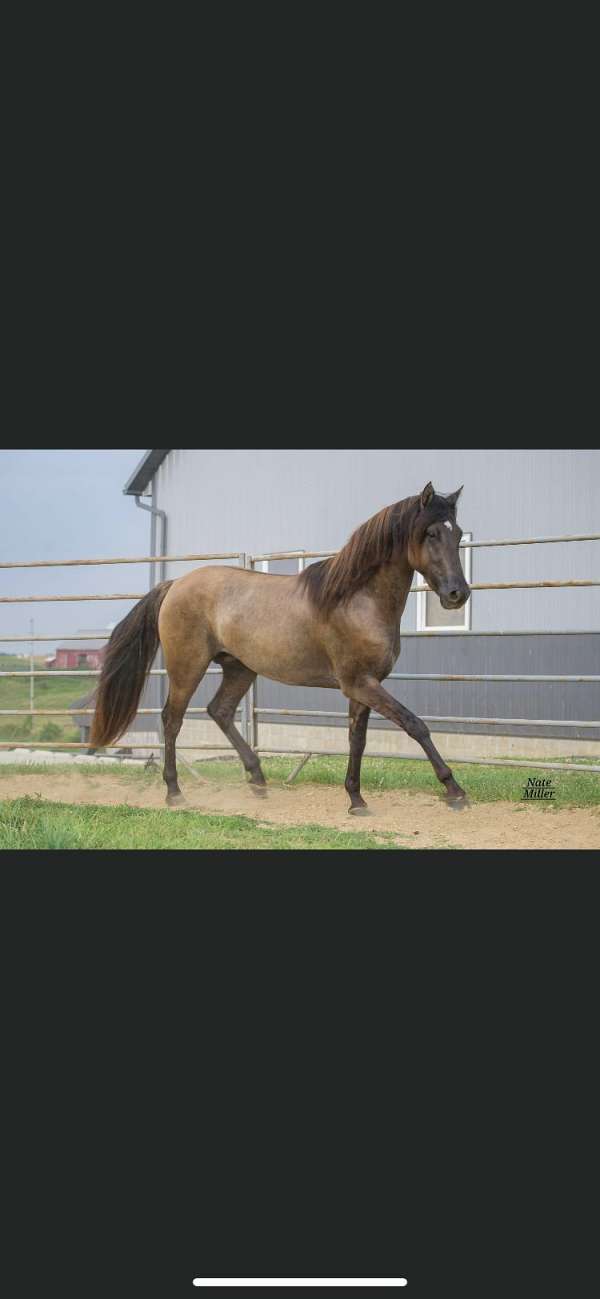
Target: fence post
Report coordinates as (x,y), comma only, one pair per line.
(31,671)
(250,724)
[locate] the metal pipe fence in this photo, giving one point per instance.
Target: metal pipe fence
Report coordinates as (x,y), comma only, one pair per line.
(250,711)
(414,590)
(274,554)
(456,631)
(464,545)
(121,559)
(85,712)
(417,757)
(82,673)
(466,721)
(59,745)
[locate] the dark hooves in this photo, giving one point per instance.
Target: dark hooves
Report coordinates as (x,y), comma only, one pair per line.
(359,811)
(458,804)
(261,790)
(176,800)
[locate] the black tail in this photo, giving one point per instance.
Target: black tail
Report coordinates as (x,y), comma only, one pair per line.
(131,649)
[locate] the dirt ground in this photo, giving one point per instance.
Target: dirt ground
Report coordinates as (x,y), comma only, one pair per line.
(415,819)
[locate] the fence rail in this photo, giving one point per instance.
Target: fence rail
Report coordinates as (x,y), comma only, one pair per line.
(84,712)
(415,590)
(464,545)
(281,554)
(456,631)
(250,711)
(82,673)
(467,721)
(468,762)
(59,745)
(96,563)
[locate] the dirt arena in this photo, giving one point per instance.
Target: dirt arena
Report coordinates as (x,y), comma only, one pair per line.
(414,819)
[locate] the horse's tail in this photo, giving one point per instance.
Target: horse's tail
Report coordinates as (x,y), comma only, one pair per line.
(129,656)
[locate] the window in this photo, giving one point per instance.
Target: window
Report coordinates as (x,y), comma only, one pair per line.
(281,567)
(430,614)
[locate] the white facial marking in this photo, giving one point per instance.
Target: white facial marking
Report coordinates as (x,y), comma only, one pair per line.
(447,524)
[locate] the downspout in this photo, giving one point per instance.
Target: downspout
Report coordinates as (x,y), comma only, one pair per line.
(162,574)
(156,514)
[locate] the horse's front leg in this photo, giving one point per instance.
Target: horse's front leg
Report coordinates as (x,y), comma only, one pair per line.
(368,691)
(359,721)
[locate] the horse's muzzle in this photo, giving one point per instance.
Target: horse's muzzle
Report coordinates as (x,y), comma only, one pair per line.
(455,597)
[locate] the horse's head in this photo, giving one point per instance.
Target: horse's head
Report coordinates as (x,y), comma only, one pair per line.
(433,547)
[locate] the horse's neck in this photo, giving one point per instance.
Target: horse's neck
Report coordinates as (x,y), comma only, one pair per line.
(390,587)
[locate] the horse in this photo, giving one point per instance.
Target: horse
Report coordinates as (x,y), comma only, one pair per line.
(337,624)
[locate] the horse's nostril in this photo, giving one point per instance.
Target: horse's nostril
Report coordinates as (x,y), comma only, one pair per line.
(454,597)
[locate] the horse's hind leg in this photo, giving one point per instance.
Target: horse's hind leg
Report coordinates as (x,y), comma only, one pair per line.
(237,680)
(182,685)
(359,721)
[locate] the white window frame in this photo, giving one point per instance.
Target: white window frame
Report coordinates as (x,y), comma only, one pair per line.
(262,565)
(467,562)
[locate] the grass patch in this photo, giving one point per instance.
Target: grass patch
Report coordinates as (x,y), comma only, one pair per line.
(49,693)
(90,770)
(483,784)
(32,823)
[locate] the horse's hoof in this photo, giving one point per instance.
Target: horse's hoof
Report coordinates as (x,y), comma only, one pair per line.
(458,804)
(261,790)
(359,811)
(176,800)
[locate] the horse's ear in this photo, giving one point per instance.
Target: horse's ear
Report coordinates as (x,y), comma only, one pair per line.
(453,499)
(427,495)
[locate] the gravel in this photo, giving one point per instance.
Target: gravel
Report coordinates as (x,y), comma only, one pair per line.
(37,757)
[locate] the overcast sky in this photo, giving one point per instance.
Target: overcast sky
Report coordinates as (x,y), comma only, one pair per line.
(68,505)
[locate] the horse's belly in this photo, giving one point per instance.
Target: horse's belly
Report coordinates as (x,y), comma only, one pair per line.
(290,670)
(280,653)
(324,680)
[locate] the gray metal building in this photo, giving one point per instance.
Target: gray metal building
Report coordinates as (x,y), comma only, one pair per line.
(268,501)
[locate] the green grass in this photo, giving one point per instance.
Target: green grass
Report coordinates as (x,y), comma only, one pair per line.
(92,771)
(12,662)
(58,692)
(483,784)
(32,823)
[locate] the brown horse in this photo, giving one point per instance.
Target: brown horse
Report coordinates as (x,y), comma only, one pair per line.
(335,625)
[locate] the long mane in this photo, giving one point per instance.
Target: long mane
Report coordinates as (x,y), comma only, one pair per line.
(385,536)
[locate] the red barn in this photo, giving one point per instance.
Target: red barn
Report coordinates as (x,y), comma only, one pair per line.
(88,654)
